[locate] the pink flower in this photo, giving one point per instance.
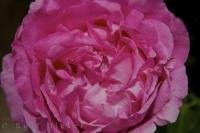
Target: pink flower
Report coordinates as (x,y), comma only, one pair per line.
(96,66)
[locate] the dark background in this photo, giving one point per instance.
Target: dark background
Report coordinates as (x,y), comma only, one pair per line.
(13,11)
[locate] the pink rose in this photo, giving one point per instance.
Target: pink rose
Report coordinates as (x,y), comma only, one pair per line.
(96,66)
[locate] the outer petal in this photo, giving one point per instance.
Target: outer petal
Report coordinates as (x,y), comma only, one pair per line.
(7,83)
(179,83)
(181,41)
(22,75)
(179,33)
(148,127)
(35,6)
(169,112)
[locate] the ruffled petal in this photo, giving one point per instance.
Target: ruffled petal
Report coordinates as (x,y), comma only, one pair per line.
(8,85)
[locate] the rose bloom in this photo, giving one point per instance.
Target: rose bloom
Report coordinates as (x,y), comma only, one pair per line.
(88,66)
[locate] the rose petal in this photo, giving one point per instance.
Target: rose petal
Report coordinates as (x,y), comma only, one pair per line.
(7,84)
